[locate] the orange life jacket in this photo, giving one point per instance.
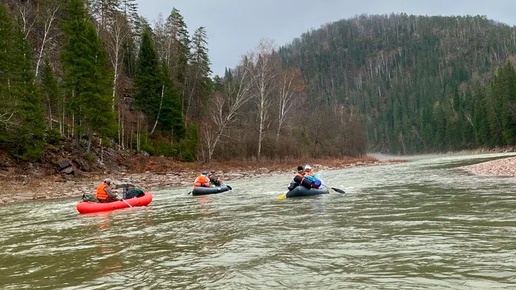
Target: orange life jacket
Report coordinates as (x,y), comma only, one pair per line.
(101,191)
(310,172)
(202,180)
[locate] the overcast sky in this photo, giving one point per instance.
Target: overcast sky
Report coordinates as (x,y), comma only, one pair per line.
(235,27)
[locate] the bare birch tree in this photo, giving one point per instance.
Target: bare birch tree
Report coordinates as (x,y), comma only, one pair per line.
(290,86)
(263,67)
(118,31)
(49,17)
(224,107)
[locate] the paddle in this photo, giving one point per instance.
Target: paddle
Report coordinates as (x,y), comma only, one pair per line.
(126,202)
(230,188)
(336,189)
(283,196)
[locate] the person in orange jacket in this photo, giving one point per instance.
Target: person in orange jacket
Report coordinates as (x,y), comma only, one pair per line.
(312,176)
(105,193)
(202,180)
(298,179)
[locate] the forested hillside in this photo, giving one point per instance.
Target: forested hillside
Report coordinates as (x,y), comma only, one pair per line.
(418,83)
(98,75)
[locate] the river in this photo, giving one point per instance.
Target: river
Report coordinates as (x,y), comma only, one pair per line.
(423,224)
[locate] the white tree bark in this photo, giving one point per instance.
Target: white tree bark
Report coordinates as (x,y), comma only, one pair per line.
(224,108)
(51,13)
(290,85)
(263,67)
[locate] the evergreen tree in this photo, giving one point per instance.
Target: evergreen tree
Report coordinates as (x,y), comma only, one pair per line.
(171,119)
(5,66)
(21,109)
(50,91)
(504,90)
(199,84)
(30,134)
(87,73)
(147,79)
(179,47)
(480,120)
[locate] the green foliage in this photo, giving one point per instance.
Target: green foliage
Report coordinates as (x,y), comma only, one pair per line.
(171,118)
(409,78)
(188,146)
(50,91)
(53,137)
(147,80)
(165,148)
(184,150)
(88,77)
(147,146)
(21,108)
(89,156)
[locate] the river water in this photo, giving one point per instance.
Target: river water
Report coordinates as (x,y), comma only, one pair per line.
(423,224)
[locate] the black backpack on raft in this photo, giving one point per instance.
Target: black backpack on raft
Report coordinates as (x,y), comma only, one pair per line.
(132,193)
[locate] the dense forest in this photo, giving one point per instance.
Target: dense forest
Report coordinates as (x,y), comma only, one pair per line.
(96,74)
(418,83)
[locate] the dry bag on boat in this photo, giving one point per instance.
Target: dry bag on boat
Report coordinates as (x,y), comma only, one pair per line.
(89,197)
(135,192)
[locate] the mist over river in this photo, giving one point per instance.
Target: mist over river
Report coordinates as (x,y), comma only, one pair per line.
(422,224)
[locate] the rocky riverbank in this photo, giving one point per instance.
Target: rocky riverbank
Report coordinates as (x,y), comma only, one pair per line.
(499,167)
(152,174)
(159,173)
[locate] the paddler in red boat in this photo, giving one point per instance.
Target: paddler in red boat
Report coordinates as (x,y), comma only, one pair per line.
(105,192)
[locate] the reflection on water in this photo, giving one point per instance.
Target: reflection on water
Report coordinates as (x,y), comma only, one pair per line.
(419,225)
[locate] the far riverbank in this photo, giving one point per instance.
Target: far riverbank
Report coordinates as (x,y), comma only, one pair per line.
(161,173)
(157,173)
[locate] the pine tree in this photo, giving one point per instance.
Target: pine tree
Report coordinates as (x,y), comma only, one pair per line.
(30,134)
(506,82)
(21,109)
(147,80)
(171,119)
(87,75)
(49,89)
(5,66)
(199,83)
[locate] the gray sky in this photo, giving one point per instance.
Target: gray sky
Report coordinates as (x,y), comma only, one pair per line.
(235,27)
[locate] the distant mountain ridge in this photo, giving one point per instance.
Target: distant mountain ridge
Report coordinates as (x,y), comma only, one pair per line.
(419,83)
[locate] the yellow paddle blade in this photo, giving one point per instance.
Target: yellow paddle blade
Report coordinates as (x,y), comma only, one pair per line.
(283,196)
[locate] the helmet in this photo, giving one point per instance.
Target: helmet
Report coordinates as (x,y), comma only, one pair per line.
(107,181)
(300,168)
(308,167)
(204,172)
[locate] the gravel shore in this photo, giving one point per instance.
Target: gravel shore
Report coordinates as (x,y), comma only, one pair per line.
(499,167)
(25,188)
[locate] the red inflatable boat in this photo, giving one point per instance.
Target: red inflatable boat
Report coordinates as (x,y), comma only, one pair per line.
(91,207)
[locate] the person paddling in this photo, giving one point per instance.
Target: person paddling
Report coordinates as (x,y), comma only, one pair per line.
(105,193)
(312,176)
(298,179)
(214,179)
(202,180)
